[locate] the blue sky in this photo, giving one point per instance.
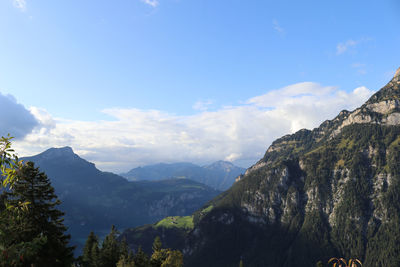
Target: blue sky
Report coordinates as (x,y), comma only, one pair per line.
(182,80)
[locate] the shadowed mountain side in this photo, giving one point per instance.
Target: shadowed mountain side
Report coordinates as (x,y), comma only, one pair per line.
(228,232)
(94,200)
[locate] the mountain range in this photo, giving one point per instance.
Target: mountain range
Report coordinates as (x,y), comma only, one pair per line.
(219,175)
(333,191)
(94,200)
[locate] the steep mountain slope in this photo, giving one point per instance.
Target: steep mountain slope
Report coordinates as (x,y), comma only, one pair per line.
(219,175)
(94,200)
(330,192)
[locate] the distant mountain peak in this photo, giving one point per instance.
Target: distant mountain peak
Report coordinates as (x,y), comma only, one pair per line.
(223,162)
(220,164)
(64,150)
(390,92)
(66,153)
(59,151)
(219,175)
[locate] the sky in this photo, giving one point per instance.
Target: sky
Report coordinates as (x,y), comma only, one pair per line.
(128,83)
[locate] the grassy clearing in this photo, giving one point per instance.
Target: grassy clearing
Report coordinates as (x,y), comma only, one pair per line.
(208,209)
(177,222)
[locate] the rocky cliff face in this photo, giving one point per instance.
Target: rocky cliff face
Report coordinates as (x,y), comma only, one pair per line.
(333,191)
(330,192)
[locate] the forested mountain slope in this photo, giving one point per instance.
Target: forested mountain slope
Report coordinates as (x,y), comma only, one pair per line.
(94,200)
(329,192)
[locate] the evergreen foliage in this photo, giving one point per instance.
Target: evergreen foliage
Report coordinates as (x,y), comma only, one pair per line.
(36,231)
(162,257)
(91,253)
(141,259)
(115,252)
(157,244)
(126,261)
(110,251)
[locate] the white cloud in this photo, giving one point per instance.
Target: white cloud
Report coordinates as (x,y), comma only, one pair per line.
(153,3)
(277,27)
(45,120)
(238,133)
(343,47)
(20,4)
(203,105)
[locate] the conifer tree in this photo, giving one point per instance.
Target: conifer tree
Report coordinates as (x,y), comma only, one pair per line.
(174,259)
(141,259)
(159,255)
(13,252)
(157,244)
(90,257)
(126,261)
(95,256)
(124,249)
(165,257)
(126,255)
(110,250)
(41,220)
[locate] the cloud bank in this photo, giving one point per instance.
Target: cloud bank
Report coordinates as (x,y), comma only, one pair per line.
(239,133)
(15,119)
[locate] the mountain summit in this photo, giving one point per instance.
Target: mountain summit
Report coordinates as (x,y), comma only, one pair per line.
(221,165)
(333,191)
(57,152)
(389,92)
(397,74)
